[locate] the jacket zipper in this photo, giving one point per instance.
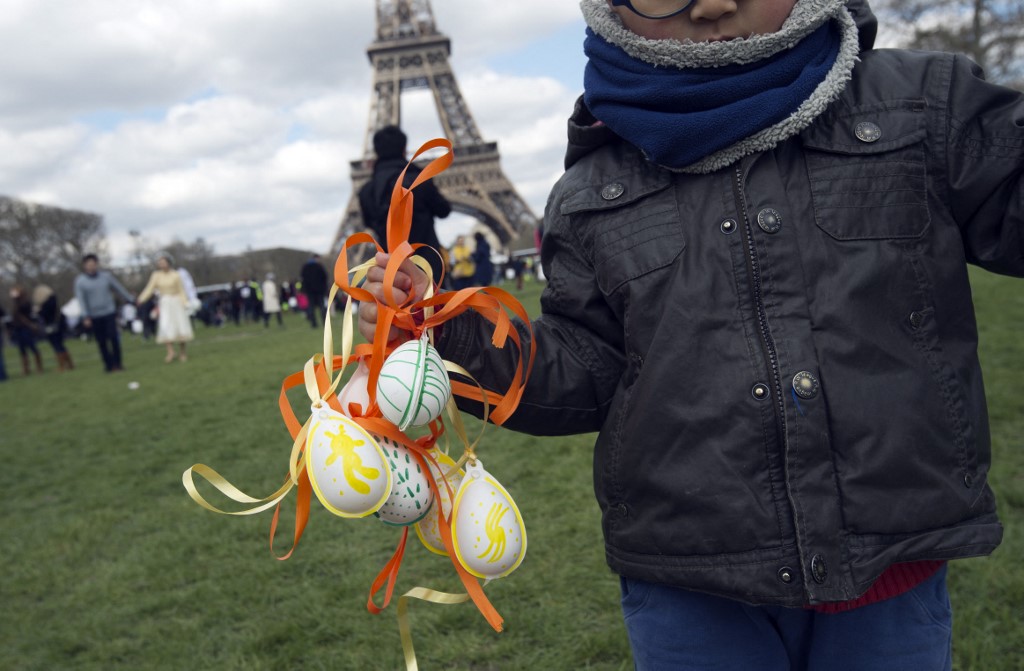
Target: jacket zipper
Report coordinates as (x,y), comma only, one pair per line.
(767,346)
(754,271)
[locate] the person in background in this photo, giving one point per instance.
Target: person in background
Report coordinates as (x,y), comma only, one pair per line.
(24,328)
(484,273)
(314,285)
(148,314)
(463,268)
(254,305)
(192,302)
(129,314)
(389,145)
(94,289)
(271,301)
(173,324)
(47,308)
(235,303)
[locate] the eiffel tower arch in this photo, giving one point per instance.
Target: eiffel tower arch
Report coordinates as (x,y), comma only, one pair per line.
(409,53)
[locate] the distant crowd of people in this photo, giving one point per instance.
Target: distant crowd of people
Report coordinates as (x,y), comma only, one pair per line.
(165,308)
(162,311)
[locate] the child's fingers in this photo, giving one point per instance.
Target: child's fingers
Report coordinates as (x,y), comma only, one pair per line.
(377,289)
(403,279)
(367,322)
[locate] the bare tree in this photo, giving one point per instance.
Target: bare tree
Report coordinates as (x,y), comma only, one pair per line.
(990,32)
(198,256)
(43,244)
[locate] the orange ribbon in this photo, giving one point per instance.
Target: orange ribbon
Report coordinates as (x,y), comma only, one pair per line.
(414,317)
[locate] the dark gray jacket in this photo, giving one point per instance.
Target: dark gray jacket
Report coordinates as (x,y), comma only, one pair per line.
(781,356)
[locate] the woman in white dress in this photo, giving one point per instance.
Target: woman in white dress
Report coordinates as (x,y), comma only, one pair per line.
(271,301)
(173,324)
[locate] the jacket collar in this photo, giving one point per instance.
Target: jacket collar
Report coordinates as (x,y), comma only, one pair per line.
(586,134)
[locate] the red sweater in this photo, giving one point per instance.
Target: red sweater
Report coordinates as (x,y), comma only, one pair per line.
(895,580)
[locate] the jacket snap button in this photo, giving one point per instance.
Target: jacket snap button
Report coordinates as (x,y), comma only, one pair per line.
(868,132)
(760,391)
(612,191)
(805,385)
(622,510)
(769,220)
(819,569)
(729,226)
(968,481)
(916,319)
(786,574)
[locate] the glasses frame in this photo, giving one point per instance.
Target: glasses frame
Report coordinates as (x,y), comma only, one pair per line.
(628,4)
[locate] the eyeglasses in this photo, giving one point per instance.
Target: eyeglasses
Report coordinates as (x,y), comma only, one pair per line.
(655,9)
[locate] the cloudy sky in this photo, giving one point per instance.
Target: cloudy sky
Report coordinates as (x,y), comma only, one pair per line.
(236,121)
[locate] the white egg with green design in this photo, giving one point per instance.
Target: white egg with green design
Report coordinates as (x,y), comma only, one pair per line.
(413,387)
(410,498)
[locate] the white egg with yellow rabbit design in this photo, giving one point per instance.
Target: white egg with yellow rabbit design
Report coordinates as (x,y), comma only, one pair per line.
(347,468)
(487,529)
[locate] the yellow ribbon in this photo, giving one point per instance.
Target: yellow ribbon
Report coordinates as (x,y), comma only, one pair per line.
(424,594)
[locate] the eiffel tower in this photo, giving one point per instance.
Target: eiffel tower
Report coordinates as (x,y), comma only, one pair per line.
(410,53)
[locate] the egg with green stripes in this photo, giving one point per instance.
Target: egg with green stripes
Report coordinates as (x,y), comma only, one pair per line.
(411,497)
(413,387)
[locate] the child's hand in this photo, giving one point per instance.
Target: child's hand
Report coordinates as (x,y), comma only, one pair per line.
(409,278)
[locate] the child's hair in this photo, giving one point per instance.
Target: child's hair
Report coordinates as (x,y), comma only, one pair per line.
(89,257)
(389,142)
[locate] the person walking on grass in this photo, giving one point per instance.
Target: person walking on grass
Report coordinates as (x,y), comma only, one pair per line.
(483,273)
(51,320)
(463,268)
(314,285)
(271,301)
(95,289)
(25,330)
(758,296)
(173,324)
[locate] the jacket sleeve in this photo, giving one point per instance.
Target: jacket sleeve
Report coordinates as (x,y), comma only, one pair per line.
(985,159)
(148,291)
(578,340)
(80,294)
(438,204)
(369,210)
(119,288)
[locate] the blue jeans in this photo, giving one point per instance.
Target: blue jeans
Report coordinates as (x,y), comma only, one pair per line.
(672,629)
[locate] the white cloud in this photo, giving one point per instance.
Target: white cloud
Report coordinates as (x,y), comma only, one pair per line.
(237,121)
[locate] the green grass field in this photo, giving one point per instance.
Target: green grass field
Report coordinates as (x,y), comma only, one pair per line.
(110,565)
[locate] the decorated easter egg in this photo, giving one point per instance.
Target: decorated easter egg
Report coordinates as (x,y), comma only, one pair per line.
(346,466)
(410,498)
(487,530)
(356,391)
(429,528)
(413,386)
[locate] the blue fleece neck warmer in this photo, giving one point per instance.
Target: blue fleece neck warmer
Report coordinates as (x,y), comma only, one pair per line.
(677,116)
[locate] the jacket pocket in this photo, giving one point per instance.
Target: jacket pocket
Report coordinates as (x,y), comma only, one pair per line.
(631,225)
(866,167)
